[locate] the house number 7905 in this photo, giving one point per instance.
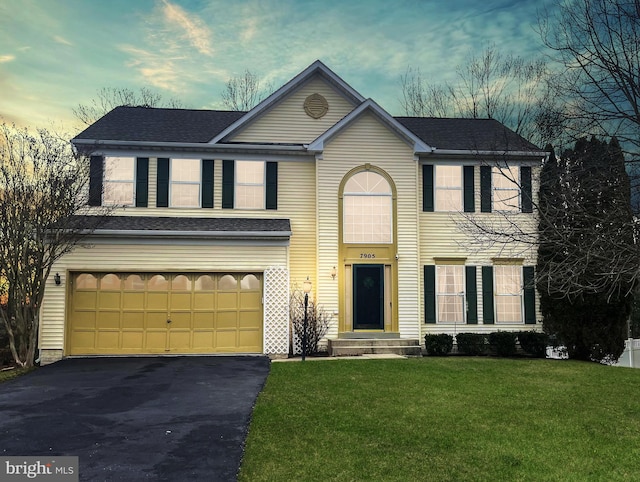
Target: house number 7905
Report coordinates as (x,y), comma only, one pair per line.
(367,255)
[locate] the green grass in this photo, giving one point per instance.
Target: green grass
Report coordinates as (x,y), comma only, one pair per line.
(445,419)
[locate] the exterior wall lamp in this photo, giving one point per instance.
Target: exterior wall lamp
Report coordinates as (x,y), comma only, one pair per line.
(306,287)
(57,279)
(333,273)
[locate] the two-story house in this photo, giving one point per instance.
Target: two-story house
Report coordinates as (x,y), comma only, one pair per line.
(221,214)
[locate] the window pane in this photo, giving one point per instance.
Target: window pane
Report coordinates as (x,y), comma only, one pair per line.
(86,281)
(448,188)
(367,182)
(506,193)
(110,282)
(448,200)
(118,193)
(249,172)
(227,282)
(450,287)
(185,195)
(185,170)
(249,197)
(508,280)
(449,176)
(250,282)
(204,283)
(367,209)
(118,168)
(505,177)
(181,282)
(158,283)
(133,282)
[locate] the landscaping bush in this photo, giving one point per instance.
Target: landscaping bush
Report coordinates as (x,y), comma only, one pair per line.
(533,343)
(503,342)
(471,343)
(438,345)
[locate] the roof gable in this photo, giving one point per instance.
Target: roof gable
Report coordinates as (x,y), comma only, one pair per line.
(418,145)
(317,69)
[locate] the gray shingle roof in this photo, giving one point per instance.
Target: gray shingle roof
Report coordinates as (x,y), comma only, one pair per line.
(204,225)
(200,126)
(162,125)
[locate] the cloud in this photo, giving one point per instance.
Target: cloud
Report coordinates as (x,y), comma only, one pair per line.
(6,58)
(193,29)
(61,40)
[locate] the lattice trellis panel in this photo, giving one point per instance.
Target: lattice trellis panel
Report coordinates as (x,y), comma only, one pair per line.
(276,311)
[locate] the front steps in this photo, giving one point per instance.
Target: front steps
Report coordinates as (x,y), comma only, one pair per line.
(353,346)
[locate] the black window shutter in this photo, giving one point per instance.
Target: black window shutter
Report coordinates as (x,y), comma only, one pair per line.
(485,189)
(142,182)
(271,201)
(207,183)
(429,294)
(228,184)
(162,184)
(469,188)
(487,295)
(95,180)
(528,275)
(525,188)
(472,295)
(427,188)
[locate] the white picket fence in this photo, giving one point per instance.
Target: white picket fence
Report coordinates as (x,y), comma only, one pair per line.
(631,355)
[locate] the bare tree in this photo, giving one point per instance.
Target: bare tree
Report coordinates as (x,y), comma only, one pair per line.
(597,45)
(509,89)
(244,92)
(109,98)
(43,188)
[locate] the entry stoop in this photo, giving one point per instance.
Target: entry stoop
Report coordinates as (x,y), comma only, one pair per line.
(373,346)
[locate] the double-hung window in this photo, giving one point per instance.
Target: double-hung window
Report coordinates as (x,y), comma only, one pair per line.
(184,186)
(506,188)
(448,188)
(250,185)
(450,293)
(508,293)
(119,181)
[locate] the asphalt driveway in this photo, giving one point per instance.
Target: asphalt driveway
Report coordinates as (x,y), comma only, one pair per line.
(169,418)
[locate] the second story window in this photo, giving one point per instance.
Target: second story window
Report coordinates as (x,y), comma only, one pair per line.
(119,181)
(448,188)
(506,188)
(249,185)
(367,209)
(185,183)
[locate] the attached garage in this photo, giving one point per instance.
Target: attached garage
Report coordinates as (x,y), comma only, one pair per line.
(117,313)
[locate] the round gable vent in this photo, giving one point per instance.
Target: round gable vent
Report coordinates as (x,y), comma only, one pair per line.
(316,106)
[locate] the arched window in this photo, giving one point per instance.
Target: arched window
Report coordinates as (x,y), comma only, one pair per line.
(367,209)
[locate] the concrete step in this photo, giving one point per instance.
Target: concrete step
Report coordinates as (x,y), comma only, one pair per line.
(374,346)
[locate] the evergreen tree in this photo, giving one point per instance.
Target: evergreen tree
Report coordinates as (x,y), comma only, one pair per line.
(587,243)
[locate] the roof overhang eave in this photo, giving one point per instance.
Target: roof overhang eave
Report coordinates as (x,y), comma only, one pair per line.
(474,152)
(157,234)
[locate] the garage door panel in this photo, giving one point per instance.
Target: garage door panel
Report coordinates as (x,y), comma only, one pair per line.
(112,313)
(108,320)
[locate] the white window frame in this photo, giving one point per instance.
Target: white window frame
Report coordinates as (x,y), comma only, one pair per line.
(240,201)
(437,188)
(190,182)
(349,236)
(462,295)
(497,295)
(509,179)
(107,180)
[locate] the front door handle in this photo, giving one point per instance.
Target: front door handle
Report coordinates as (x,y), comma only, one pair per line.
(168,321)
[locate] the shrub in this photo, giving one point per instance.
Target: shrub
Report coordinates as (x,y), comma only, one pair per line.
(533,343)
(503,342)
(471,343)
(318,321)
(438,345)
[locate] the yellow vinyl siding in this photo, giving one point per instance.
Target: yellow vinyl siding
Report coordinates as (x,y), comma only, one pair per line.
(367,140)
(171,258)
(287,122)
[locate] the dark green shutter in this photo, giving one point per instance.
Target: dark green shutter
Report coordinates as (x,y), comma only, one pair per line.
(469,188)
(228,184)
(525,188)
(427,188)
(95,180)
(429,294)
(271,200)
(472,295)
(487,295)
(162,184)
(485,189)
(207,183)
(142,182)
(528,275)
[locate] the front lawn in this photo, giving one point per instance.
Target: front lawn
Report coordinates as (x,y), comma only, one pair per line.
(437,419)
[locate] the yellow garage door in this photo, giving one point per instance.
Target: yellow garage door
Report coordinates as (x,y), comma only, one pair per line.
(131,313)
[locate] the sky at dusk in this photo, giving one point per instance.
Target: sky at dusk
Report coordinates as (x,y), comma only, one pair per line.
(55,54)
